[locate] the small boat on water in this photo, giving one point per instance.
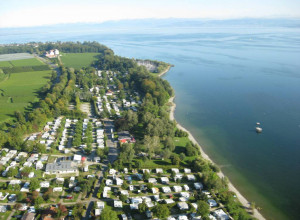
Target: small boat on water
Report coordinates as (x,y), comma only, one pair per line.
(257,123)
(258,129)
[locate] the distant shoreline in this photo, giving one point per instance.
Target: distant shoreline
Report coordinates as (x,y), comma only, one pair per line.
(240,197)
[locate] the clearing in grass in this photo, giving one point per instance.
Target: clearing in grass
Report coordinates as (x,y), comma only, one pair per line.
(19,90)
(78,60)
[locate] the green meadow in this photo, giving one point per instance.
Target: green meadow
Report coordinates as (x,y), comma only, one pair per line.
(78,60)
(5,64)
(19,89)
(26,62)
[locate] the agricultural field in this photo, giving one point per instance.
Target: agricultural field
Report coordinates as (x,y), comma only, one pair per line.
(19,89)
(26,62)
(78,60)
(5,64)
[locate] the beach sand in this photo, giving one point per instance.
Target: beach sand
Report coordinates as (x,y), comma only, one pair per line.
(240,197)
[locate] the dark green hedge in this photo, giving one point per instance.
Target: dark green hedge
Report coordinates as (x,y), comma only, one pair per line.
(19,69)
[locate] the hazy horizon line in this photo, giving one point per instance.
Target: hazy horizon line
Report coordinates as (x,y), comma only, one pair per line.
(144,19)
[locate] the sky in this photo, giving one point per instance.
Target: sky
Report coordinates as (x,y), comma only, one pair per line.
(25,13)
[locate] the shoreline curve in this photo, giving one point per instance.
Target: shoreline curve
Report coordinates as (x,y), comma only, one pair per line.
(231,187)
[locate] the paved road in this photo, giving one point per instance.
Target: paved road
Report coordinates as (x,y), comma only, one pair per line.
(113,150)
(112,156)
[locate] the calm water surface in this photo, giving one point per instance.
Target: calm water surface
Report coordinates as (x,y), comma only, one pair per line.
(225,81)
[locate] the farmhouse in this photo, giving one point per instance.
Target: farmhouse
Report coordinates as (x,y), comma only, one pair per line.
(52,53)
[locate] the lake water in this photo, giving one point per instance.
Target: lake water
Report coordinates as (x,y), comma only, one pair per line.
(226,80)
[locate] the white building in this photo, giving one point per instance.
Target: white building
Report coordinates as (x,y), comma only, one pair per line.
(164,180)
(166,189)
(220,214)
(182,205)
(44,184)
(118,204)
(198,186)
(191,177)
(212,203)
(187,170)
(57,189)
(177,188)
(159,170)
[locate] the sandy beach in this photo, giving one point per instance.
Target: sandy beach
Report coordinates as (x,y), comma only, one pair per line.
(240,197)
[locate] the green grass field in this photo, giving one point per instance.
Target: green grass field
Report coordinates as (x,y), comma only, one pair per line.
(17,91)
(5,64)
(26,62)
(78,60)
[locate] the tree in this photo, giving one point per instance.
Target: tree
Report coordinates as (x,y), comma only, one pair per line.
(203,208)
(25,172)
(41,148)
(169,144)
(143,207)
(175,160)
(124,185)
(108,213)
(12,172)
(38,201)
(34,184)
(166,154)
(138,164)
(191,150)
(61,210)
(21,196)
(150,186)
(123,198)
(146,175)
(161,211)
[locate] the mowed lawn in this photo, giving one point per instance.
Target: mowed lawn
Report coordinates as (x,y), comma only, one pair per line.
(19,90)
(78,60)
